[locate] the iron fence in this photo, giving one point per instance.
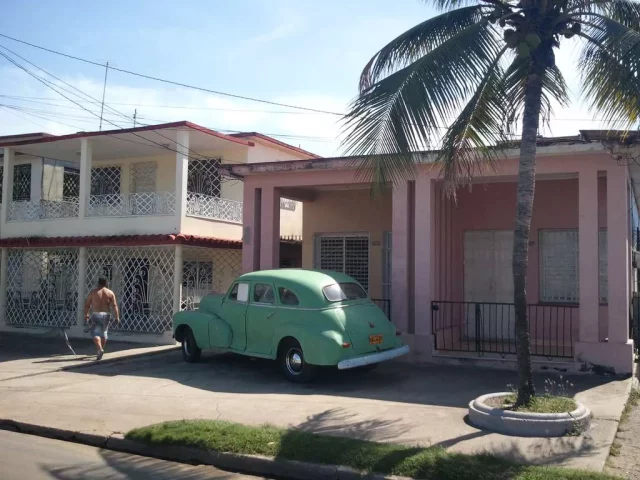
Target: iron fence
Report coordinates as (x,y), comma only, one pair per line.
(384,304)
(484,327)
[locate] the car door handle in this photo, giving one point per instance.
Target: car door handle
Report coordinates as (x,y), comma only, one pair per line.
(270,315)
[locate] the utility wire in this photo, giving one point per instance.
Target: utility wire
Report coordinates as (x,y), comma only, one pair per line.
(171,82)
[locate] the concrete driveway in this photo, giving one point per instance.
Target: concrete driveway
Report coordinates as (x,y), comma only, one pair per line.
(422,405)
(27,355)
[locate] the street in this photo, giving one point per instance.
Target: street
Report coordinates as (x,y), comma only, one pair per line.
(27,456)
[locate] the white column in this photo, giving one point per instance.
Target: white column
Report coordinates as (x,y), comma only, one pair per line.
(182,170)
(7,186)
(82,284)
(177,279)
(423,253)
(402,255)
(4,269)
(86,158)
(588,253)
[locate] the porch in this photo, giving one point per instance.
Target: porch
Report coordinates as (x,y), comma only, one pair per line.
(46,285)
(445,265)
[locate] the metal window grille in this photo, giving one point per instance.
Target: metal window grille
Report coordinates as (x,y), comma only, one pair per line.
(42,287)
(207,271)
(203,177)
(142,279)
(344,253)
(70,183)
(559,266)
(386,265)
(22,183)
(143,177)
(105,180)
(201,205)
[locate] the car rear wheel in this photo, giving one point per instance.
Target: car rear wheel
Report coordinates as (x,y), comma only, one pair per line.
(292,363)
(190,351)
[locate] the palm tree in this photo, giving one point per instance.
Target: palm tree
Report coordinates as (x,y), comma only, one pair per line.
(490,65)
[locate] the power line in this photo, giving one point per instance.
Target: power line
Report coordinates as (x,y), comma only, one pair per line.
(171,82)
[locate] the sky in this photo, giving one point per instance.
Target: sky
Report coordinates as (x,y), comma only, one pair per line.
(304,53)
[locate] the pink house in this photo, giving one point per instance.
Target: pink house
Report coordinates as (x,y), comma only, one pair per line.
(442,267)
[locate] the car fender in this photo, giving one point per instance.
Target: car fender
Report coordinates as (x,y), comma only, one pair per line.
(197,321)
(319,347)
(220,332)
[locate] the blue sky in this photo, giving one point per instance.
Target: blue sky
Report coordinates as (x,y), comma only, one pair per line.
(303,52)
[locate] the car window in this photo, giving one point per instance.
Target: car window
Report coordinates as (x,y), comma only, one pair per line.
(239,292)
(344,291)
(287,297)
(263,293)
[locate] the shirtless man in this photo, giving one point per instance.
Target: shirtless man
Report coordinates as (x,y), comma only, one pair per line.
(100,301)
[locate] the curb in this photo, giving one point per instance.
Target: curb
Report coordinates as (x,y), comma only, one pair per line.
(122,359)
(234,462)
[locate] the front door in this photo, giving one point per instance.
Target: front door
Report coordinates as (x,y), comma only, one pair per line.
(261,317)
(234,311)
(488,283)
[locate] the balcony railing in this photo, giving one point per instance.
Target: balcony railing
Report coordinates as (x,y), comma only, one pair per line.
(484,327)
(132,204)
(206,206)
(44,209)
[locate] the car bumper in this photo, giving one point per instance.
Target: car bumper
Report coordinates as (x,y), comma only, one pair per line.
(373,358)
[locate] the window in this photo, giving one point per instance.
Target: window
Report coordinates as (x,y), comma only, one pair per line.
(287,297)
(346,254)
(203,177)
(559,266)
(105,181)
(70,183)
(239,292)
(344,291)
(263,293)
(22,183)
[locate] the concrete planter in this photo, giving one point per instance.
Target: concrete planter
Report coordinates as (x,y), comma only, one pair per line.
(525,424)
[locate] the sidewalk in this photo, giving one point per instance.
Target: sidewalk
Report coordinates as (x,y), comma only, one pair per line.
(26,355)
(424,406)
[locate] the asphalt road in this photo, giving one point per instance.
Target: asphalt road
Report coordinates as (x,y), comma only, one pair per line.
(27,456)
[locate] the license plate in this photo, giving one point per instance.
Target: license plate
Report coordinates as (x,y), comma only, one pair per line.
(375,339)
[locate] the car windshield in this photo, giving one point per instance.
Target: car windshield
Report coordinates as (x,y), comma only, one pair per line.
(344,291)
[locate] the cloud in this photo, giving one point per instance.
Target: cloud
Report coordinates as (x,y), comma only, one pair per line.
(278,32)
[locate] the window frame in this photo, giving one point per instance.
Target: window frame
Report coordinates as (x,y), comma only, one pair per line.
(228,297)
(297,304)
(253,295)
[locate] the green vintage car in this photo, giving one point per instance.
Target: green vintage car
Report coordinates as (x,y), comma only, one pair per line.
(300,318)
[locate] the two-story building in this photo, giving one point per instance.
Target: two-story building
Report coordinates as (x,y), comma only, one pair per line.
(145,207)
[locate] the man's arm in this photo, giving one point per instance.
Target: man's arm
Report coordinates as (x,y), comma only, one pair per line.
(87,306)
(116,312)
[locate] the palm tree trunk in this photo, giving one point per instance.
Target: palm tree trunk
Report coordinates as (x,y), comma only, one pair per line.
(524,208)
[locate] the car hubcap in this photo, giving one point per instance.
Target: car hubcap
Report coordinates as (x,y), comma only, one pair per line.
(186,347)
(294,361)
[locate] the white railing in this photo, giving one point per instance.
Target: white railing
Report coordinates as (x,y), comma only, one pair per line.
(200,205)
(44,209)
(132,204)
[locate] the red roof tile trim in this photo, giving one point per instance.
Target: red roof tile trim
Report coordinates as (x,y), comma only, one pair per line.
(274,141)
(121,241)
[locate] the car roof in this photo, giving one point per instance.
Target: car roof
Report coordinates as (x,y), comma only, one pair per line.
(307,284)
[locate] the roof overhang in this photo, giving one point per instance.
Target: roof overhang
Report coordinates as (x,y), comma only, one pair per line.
(129,142)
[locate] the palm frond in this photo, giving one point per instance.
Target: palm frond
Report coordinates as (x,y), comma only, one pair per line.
(476,135)
(625,12)
(609,64)
(400,113)
(417,42)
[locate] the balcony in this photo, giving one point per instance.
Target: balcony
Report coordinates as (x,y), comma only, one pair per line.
(215,208)
(131,204)
(43,209)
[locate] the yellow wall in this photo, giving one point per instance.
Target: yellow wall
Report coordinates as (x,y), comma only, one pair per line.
(349,211)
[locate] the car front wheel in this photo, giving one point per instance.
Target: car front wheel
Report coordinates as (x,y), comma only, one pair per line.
(190,351)
(292,363)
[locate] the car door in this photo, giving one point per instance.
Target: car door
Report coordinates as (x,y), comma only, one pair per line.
(262,315)
(234,312)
